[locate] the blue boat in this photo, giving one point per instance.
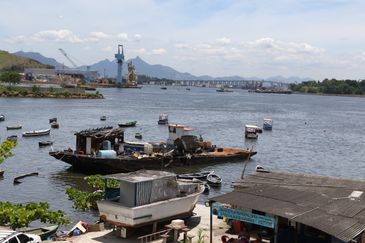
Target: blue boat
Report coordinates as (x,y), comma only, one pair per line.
(268,124)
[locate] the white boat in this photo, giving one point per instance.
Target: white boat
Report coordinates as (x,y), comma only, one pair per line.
(267,124)
(251,131)
(36,133)
(148,196)
(163,119)
(15,127)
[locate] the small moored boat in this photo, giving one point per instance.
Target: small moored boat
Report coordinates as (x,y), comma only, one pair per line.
(43,232)
(163,87)
(17,179)
(36,133)
(55,125)
(267,124)
(14,127)
(103,118)
(163,119)
(13,137)
(214,180)
(251,131)
(2,117)
(44,143)
(128,124)
(54,119)
(138,135)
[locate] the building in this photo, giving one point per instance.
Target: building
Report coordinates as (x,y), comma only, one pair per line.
(290,207)
(50,74)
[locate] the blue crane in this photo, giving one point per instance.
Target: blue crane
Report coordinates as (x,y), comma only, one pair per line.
(120,59)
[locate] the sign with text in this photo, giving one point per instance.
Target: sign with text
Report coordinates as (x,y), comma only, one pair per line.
(246,217)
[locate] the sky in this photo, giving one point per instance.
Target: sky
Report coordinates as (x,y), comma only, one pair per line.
(263,38)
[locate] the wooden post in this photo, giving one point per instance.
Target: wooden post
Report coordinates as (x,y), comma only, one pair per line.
(211,222)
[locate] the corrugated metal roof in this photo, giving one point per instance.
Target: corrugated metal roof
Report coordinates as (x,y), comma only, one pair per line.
(317,201)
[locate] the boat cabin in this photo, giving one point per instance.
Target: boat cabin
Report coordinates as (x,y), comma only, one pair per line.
(99,140)
(177,131)
(163,119)
(146,197)
(251,131)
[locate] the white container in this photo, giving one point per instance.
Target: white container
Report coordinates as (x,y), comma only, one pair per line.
(148,148)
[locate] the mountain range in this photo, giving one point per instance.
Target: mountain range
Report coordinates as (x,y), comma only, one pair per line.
(109,68)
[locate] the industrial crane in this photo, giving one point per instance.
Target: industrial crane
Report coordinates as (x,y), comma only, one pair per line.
(68,58)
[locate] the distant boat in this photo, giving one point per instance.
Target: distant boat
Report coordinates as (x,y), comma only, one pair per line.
(187,88)
(163,87)
(2,117)
(43,232)
(214,180)
(44,143)
(224,90)
(36,133)
(13,137)
(138,135)
(17,179)
(90,88)
(163,119)
(267,124)
(55,125)
(128,124)
(14,127)
(250,131)
(103,118)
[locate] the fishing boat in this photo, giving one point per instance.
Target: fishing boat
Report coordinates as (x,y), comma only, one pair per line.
(145,197)
(43,232)
(138,135)
(128,124)
(268,123)
(103,118)
(13,137)
(37,133)
(2,117)
(214,180)
(55,125)
(251,132)
(163,119)
(104,150)
(17,179)
(164,88)
(44,143)
(199,175)
(15,127)
(188,89)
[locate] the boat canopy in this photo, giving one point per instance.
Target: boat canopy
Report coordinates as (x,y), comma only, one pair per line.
(139,176)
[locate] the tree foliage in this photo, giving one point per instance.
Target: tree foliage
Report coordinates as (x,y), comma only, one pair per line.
(331,86)
(5,149)
(87,200)
(10,77)
(17,215)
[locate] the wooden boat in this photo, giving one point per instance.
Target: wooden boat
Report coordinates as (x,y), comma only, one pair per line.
(198,176)
(17,179)
(15,127)
(148,196)
(36,133)
(103,118)
(214,180)
(163,119)
(55,125)
(164,88)
(44,143)
(128,124)
(43,232)
(107,160)
(54,119)
(138,135)
(2,117)
(13,137)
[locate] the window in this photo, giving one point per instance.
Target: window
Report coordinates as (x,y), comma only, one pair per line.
(13,240)
(23,238)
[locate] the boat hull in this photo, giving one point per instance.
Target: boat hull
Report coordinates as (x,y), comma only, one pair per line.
(134,217)
(87,163)
(37,133)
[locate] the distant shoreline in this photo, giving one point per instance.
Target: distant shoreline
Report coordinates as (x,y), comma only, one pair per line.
(323,94)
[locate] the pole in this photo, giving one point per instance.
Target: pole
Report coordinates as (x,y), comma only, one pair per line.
(211,222)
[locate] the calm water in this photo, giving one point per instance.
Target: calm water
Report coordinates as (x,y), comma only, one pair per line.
(312,134)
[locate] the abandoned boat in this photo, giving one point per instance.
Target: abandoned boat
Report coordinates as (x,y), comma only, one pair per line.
(104,150)
(147,197)
(36,133)
(43,232)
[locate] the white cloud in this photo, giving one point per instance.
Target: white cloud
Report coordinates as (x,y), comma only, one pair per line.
(137,37)
(17,39)
(106,49)
(181,46)
(223,41)
(123,36)
(141,51)
(63,35)
(96,36)
(158,51)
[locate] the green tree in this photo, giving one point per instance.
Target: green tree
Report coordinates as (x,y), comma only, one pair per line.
(5,149)
(10,77)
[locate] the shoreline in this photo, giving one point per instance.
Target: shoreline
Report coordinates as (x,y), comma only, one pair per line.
(323,94)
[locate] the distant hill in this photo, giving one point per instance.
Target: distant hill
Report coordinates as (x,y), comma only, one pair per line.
(40,58)
(11,62)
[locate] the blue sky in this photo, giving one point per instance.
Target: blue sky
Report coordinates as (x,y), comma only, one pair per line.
(306,38)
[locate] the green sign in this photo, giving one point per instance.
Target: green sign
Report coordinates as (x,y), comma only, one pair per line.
(246,217)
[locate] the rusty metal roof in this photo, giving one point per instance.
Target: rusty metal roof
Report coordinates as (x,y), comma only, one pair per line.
(332,205)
